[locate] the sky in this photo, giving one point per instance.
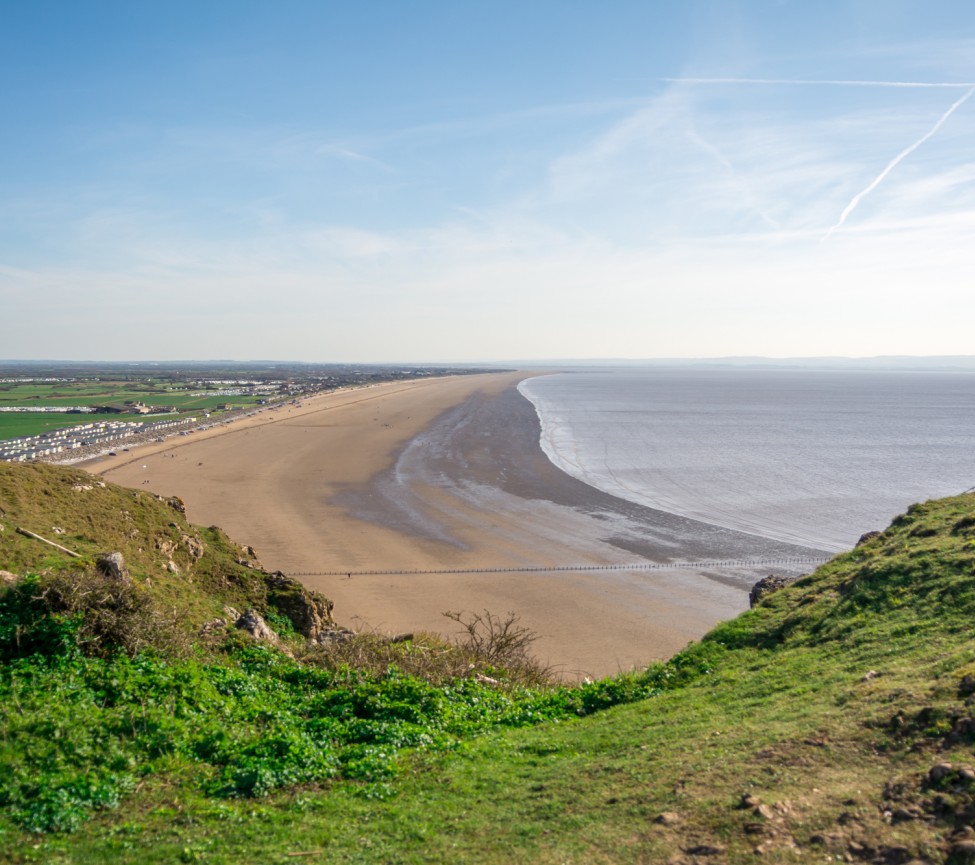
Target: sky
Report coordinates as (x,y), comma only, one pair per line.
(486,180)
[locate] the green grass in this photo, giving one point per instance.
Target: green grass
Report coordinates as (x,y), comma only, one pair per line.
(828,703)
(74,393)
(186,402)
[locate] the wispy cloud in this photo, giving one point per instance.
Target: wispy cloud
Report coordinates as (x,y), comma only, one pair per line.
(907,151)
(821,82)
(740,184)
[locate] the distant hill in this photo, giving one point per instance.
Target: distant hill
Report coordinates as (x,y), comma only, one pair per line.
(835,721)
(930,363)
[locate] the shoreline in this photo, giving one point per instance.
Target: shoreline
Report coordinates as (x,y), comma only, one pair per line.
(450,474)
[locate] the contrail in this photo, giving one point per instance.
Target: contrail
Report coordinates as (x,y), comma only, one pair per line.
(894,163)
(746,190)
(820,82)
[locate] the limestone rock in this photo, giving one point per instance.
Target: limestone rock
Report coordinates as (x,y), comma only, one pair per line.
(334,635)
(248,558)
(7,577)
(253,623)
(310,612)
(113,565)
(193,546)
(766,586)
(212,626)
(866,537)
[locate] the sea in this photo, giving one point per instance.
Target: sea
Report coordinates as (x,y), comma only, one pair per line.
(812,457)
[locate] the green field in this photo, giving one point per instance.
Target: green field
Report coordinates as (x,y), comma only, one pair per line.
(73,393)
(17,424)
(98,393)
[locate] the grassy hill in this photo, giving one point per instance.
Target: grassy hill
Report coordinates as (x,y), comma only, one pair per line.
(834,722)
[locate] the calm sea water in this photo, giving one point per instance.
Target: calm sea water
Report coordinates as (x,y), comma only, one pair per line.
(810,457)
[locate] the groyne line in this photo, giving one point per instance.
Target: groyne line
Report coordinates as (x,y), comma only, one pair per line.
(547,569)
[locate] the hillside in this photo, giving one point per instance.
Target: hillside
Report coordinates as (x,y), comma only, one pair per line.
(833,722)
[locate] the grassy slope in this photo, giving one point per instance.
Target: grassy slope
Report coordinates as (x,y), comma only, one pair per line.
(89,517)
(830,702)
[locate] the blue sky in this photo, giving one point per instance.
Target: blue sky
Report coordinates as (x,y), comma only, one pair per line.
(459,181)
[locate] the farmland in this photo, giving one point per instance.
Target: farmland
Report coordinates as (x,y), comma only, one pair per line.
(39,396)
(31,408)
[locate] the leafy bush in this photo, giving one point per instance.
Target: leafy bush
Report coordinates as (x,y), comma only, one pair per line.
(83,610)
(78,732)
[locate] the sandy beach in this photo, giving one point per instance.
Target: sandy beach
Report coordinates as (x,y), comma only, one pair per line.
(447,474)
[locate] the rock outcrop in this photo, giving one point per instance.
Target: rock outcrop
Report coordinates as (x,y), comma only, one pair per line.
(766,586)
(309,611)
(866,537)
(334,635)
(113,565)
(253,623)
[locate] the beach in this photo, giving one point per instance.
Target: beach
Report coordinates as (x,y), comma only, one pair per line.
(445,478)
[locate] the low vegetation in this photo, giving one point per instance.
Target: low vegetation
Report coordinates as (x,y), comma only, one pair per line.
(832,722)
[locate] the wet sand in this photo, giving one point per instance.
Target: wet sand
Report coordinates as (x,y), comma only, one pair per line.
(447,474)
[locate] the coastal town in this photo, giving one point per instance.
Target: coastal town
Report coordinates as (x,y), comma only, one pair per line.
(119,406)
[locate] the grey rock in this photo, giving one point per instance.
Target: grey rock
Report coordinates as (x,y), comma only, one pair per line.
(193,546)
(253,623)
(212,626)
(766,586)
(309,611)
(113,565)
(334,635)
(866,537)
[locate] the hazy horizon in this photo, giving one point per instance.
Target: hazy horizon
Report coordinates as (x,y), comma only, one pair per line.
(877,362)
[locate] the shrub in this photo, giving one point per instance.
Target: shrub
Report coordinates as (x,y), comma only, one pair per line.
(84,610)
